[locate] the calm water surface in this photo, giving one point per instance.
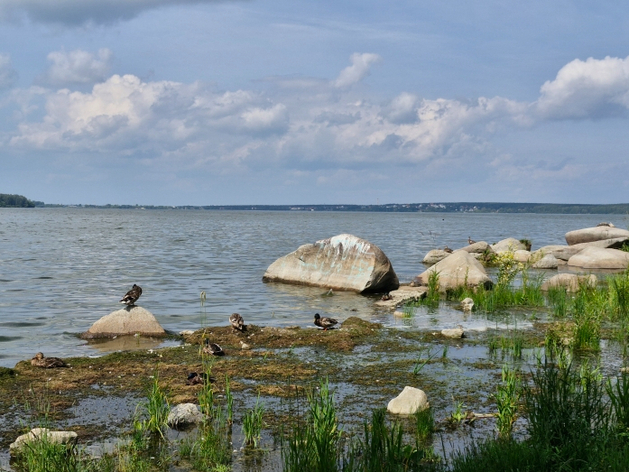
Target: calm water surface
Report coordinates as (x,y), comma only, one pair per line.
(62,269)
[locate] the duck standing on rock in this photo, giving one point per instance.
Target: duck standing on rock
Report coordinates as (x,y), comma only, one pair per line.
(237,322)
(470,241)
(132,295)
(324,322)
(47,362)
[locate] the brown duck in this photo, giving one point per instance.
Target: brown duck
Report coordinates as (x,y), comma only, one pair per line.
(132,295)
(47,362)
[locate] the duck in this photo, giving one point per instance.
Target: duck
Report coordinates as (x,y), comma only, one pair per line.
(213,349)
(470,241)
(195,378)
(132,295)
(324,322)
(447,249)
(47,362)
(237,322)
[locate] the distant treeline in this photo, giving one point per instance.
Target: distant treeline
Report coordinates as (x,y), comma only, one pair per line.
(17,201)
(476,207)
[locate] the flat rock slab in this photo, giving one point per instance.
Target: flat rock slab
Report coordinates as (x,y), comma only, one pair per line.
(568,251)
(408,402)
(403,294)
(597,233)
(600,258)
(128,321)
(343,262)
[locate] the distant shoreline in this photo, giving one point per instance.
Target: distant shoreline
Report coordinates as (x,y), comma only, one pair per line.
(452,207)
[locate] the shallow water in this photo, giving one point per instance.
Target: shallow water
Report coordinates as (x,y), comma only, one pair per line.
(62,269)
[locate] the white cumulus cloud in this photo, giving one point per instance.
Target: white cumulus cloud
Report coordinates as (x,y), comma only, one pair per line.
(78,67)
(358,70)
(587,89)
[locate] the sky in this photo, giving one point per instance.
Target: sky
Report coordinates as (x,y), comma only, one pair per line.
(207,102)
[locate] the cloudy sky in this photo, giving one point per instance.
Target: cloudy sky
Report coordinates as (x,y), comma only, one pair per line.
(201,102)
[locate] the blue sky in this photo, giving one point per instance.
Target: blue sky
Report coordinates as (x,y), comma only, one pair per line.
(171,102)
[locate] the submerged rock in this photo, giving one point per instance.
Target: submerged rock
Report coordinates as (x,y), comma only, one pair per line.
(127,321)
(455,333)
(37,434)
(458,269)
(570,282)
(408,402)
(343,262)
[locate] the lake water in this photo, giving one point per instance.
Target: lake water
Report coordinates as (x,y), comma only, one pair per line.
(62,269)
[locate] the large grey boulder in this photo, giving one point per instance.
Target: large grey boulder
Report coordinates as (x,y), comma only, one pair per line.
(40,434)
(508,245)
(343,262)
(597,233)
(458,269)
(408,402)
(184,414)
(571,282)
(127,321)
(599,258)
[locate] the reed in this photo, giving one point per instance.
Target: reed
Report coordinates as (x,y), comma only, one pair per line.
(424,424)
(618,393)
(43,455)
(157,408)
(252,424)
(507,398)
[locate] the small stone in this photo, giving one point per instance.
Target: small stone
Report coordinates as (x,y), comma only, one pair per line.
(184,414)
(408,402)
(455,333)
(244,345)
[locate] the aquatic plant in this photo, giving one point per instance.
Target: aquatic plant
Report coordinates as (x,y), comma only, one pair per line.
(424,423)
(314,445)
(252,424)
(43,455)
(157,407)
(206,394)
(507,397)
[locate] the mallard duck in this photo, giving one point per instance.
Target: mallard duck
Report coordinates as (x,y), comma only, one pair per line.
(194,378)
(237,322)
(447,249)
(47,362)
(132,295)
(324,322)
(470,241)
(213,349)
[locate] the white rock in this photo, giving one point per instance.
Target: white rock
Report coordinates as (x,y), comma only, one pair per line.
(184,414)
(434,256)
(408,402)
(127,321)
(57,437)
(467,304)
(455,333)
(521,255)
